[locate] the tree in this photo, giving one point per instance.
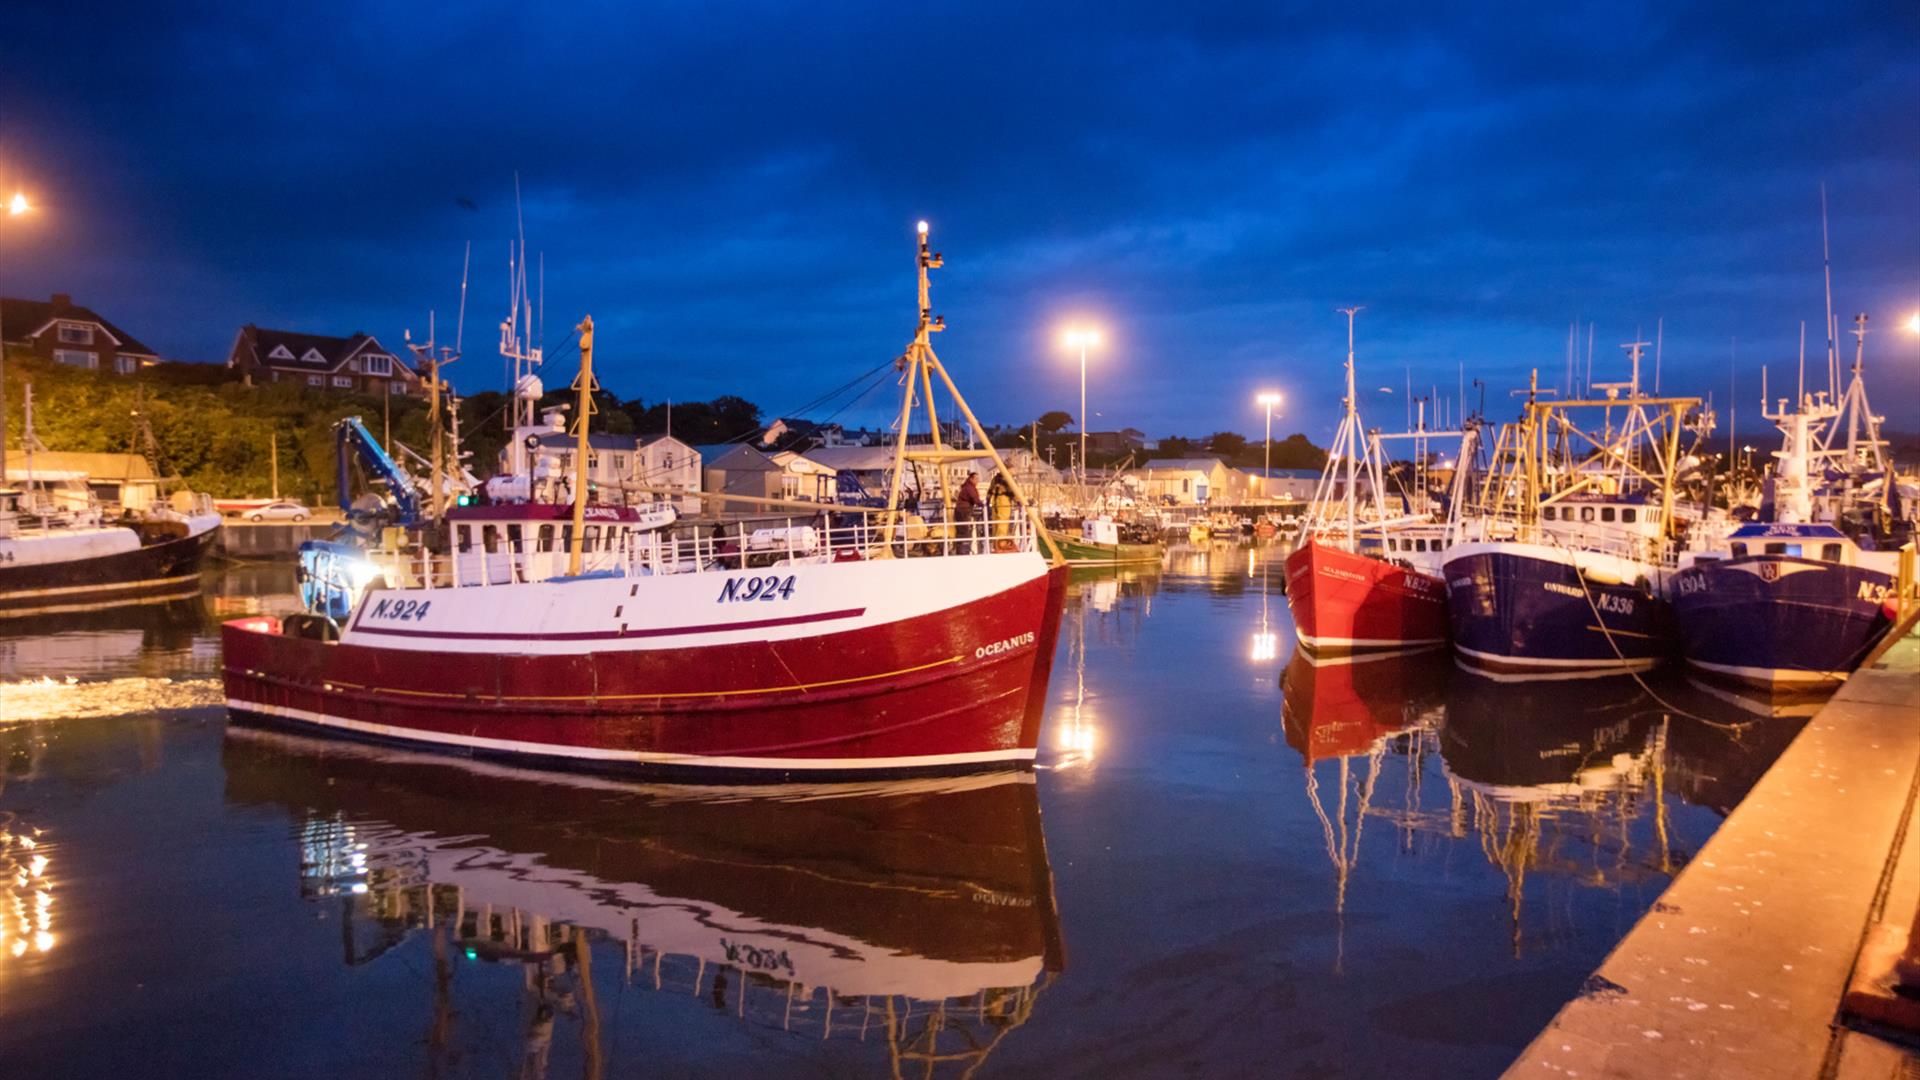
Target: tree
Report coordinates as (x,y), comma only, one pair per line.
(1175,446)
(1054,422)
(1226,444)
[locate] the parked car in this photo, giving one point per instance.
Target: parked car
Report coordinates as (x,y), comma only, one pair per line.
(279,511)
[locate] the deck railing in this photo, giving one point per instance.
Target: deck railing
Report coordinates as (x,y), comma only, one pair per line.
(734,546)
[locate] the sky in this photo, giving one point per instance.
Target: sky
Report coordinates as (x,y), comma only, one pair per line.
(730,190)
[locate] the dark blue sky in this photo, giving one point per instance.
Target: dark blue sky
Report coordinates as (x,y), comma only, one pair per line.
(730,188)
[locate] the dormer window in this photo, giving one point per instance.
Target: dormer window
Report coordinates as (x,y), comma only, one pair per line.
(377,364)
(312,356)
(280,352)
(72,333)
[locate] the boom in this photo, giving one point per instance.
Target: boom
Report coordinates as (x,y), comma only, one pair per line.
(352,439)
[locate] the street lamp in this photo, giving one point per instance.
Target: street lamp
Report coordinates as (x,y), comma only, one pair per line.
(1082,338)
(1269,399)
(1913,323)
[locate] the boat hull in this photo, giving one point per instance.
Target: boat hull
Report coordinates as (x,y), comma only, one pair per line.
(1530,609)
(1344,602)
(955,689)
(166,569)
(1777,621)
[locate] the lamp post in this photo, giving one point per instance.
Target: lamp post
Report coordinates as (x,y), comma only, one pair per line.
(16,206)
(1082,338)
(1269,399)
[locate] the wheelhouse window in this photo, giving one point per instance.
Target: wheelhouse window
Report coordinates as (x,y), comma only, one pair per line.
(1776,549)
(76,333)
(1606,513)
(490,538)
(466,539)
(1548,513)
(1586,513)
(1739,551)
(546,538)
(514,539)
(590,539)
(1830,552)
(1629,514)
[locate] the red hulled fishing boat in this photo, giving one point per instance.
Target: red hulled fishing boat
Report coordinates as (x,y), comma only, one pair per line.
(602,637)
(1363,578)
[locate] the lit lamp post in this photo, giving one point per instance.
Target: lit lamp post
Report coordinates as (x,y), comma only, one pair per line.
(16,206)
(1269,399)
(1082,338)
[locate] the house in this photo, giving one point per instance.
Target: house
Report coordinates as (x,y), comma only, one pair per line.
(63,332)
(739,469)
(116,480)
(356,363)
(871,468)
(804,479)
(1185,481)
(1283,485)
(1112,445)
(662,461)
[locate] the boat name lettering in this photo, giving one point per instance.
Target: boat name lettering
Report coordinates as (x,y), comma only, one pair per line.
(1461,583)
(1564,590)
(744,589)
(1691,583)
(752,956)
(1003,645)
(400,610)
(1876,593)
(602,512)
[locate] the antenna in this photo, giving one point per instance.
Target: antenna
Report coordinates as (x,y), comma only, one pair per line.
(1826,268)
(1801,393)
(1659,336)
(460,332)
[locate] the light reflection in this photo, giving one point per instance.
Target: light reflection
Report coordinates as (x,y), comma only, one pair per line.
(26,898)
(30,700)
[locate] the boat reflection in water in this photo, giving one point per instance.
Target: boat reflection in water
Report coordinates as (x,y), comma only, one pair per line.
(1336,708)
(916,916)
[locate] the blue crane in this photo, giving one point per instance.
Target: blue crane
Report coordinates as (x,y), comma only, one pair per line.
(352,439)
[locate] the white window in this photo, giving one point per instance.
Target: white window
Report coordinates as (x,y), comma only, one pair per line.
(669,463)
(619,463)
(126,365)
(76,358)
(377,364)
(312,356)
(315,380)
(343,380)
(72,333)
(280,352)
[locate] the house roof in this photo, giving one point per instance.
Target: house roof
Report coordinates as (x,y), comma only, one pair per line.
(735,456)
(596,440)
(1197,464)
(333,351)
(109,468)
(660,437)
(24,319)
(1284,474)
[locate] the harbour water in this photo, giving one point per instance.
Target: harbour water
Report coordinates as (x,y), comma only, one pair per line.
(1229,860)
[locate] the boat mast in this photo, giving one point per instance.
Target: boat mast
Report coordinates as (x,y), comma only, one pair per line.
(1350,429)
(919,364)
(585,385)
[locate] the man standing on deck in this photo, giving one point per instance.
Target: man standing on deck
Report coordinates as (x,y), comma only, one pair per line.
(966,508)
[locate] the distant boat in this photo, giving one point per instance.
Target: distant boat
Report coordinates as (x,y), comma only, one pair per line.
(53,562)
(1101,542)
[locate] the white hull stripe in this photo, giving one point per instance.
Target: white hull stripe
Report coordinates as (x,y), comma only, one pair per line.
(634,757)
(98,586)
(1545,664)
(1771,675)
(1368,643)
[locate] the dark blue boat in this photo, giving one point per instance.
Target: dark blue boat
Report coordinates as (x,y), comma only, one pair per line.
(1783,606)
(1539,609)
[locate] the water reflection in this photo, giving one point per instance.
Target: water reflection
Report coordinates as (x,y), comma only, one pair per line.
(26,890)
(916,917)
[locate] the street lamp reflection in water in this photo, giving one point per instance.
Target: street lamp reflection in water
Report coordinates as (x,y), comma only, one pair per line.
(26,893)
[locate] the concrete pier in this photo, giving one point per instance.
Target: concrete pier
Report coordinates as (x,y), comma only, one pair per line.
(1741,967)
(270,539)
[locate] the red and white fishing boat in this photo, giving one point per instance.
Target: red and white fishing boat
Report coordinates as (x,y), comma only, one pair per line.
(599,637)
(1362,577)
